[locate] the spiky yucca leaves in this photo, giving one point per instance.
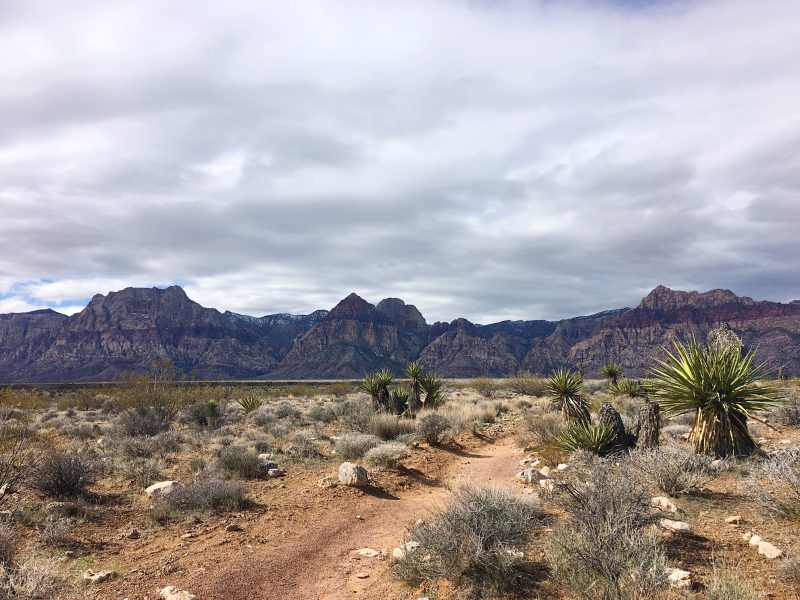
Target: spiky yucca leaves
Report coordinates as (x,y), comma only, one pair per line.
(250,402)
(721,386)
(414,373)
(611,371)
(627,387)
(564,387)
(432,386)
(398,401)
(377,386)
(585,435)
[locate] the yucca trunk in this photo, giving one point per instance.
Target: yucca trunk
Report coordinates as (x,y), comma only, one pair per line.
(610,418)
(414,397)
(648,425)
(721,433)
(575,411)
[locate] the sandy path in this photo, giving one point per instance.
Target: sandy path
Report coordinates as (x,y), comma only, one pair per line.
(318,561)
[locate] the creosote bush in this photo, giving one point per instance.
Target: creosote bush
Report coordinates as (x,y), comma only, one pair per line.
(387,456)
(485,386)
(527,384)
(435,429)
(206,495)
(474,542)
(65,474)
(145,420)
(674,470)
(774,485)
(604,549)
(240,461)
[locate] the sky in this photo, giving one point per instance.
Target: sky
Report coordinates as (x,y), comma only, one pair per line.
(488,160)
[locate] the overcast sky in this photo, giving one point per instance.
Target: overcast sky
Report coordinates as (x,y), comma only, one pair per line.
(492,160)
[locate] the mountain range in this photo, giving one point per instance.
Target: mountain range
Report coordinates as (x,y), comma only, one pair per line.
(123,331)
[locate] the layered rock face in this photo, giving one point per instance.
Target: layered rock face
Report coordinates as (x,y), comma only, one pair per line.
(125,330)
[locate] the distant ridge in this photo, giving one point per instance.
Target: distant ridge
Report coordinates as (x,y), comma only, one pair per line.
(123,331)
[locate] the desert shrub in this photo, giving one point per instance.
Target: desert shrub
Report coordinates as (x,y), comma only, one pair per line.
(302,446)
(584,435)
(387,456)
(356,415)
(676,431)
(141,472)
(144,420)
(57,533)
(7,545)
(466,417)
(544,427)
(474,542)
(631,388)
(774,485)
(258,440)
(323,413)
(604,549)
(36,578)
(788,412)
(284,410)
(435,429)
(240,461)
(388,427)
(161,444)
(527,384)
(65,474)
(485,386)
(206,495)
(725,585)
(790,570)
(354,446)
(675,470)
(17,454)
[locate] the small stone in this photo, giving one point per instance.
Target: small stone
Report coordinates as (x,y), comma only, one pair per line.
(362,575)
(663,504)
(768,550)
(133,534)
(785,442)
(734,520)
(233,527)
(187,536)
(353,475)
(359,517)
(98,576)
(403,549)
(675,526)
(70,554)
(368,552)
(755,540)
(545,471)
(172,593)
(162,488)
(678,578)
(530,476)
(562,467)
(275,473)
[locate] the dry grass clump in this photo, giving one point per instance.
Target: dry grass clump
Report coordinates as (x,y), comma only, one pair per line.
(141,472)
(7,544)
(788,412)
(725,585)
(144,420)
(474,542)
(204,495)
(675,470)
(353,446)
(527,384)
(36,578)
(774,485)
(604,549)
(57,533)
(390,427)
(467,417)
(241,462)
(485,386)
(387,456)
(790,569)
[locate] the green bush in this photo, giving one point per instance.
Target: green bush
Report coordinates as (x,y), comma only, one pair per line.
(240,461)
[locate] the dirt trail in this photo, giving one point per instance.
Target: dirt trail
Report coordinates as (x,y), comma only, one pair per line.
(318,561)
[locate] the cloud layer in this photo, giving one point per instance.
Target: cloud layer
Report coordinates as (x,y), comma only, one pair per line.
(488,160)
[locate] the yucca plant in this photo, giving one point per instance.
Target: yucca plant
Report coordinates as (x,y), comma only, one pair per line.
(585,435)
(250,402)
(398,401)
(564,387)
(211,412)
(432,386)
(414,373)
(721,386)
(377,386)
(611,371)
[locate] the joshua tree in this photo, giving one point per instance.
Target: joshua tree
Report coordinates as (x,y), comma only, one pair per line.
(611,371)
(414,373)
(721,385)
(564,387)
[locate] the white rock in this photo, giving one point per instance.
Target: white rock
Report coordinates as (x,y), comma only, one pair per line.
(353,475)
(172,593)
(562,467)
(162,488)
(768,550)
(675,526)
(98,576)
(530,476)
(403,549)
(368,552)
(755,540)
(547,485)
(678,578)
(663,504)
(734,520)
(362,575)
(545,471)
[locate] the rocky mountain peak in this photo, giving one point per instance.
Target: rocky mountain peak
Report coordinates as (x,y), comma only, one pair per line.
(354,308)
(663,298)
(406,316)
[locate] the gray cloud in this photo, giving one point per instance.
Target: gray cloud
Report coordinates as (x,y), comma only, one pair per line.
(487,160)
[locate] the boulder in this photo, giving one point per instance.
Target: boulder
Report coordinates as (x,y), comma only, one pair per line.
(663,504)
(678,578)
(266,464)
(768,550)
(162,488)
(353,475)
(172,593)
(530,476)
(675,526)
(403,549)
(98,576)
